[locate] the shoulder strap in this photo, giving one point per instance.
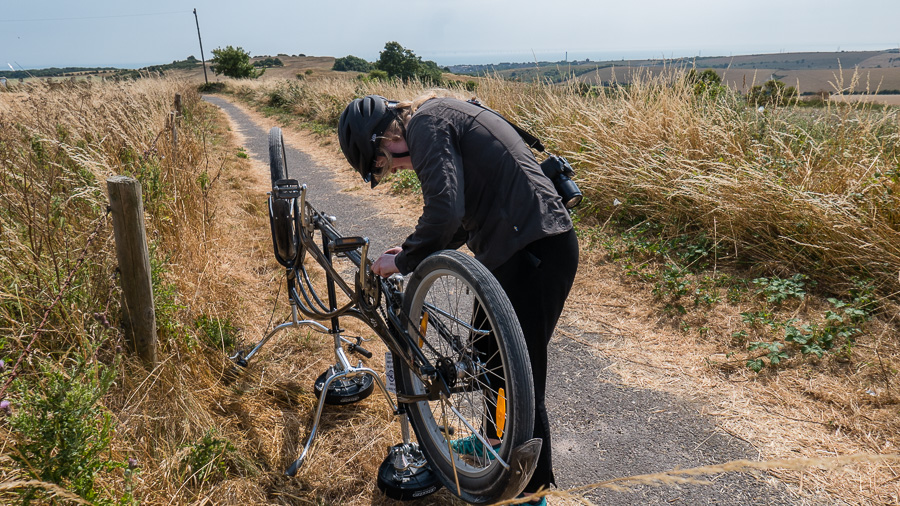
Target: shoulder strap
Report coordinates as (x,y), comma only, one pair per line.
(532,141)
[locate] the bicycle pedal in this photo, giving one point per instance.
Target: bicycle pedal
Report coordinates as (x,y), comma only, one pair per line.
(345,244)
(286,189)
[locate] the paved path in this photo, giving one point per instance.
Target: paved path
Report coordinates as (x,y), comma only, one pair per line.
(603,429)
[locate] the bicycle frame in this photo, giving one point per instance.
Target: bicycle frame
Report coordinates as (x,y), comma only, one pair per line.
(288,202)
(365,297)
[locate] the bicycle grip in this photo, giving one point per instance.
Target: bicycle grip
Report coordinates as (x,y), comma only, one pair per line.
(359,349)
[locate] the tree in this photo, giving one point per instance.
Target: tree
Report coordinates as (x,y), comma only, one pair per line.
(403,63)
(351,63)
(398,61)
(429,71)
(233,62)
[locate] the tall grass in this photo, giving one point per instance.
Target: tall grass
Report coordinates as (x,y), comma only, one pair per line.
(789,195)
(781,189)
(59,301)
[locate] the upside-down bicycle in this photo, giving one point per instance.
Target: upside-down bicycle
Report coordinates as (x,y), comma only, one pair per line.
(463,379)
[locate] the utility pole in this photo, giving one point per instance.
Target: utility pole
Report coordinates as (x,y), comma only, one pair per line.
(202,58)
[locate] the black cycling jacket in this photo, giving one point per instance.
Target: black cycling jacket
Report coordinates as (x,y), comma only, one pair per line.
(481,186)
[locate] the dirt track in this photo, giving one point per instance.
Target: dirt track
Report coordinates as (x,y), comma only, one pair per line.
(603,428)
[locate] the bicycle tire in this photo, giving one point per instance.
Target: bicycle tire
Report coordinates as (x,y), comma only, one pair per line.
(454,289)
(283,237)
(277,163)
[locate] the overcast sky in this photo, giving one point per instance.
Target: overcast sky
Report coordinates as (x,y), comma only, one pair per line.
(43,33)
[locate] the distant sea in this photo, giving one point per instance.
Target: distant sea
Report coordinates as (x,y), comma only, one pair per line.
(119,65)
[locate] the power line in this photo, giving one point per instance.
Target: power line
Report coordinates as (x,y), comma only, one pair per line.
(95,17)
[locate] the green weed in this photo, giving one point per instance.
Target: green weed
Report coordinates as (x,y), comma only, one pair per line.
(207,460)
(219,333)
(405,181)
(61,431)
(837,329)
(165,293)
(774,355)
(777,290)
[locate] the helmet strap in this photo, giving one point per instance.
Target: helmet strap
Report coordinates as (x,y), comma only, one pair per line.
(382,126)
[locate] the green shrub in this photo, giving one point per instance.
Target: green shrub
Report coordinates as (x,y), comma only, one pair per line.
(61,431)
(220,333)
(269,62)
(772,93)
(207,460)
(405,181)
(375,75)
(707,82)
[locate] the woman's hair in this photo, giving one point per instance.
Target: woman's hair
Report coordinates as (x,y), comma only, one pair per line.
(396,130)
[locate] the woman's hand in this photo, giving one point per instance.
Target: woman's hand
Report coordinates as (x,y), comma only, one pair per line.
(385,265)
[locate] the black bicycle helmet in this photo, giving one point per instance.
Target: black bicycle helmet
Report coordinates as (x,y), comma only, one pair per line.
(361,125)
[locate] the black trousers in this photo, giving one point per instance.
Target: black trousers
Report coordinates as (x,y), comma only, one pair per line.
(537,280)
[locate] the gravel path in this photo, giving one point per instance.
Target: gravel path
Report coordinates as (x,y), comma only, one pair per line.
(603,429)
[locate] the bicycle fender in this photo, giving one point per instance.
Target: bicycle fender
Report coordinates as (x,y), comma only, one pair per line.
(522,463)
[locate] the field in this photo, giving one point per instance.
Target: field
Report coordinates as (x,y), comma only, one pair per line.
(763,246)
(834,73)
(834,82)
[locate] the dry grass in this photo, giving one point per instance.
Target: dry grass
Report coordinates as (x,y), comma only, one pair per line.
(666,155)
(59,146)
(811,190)
(779,191)
(206,217)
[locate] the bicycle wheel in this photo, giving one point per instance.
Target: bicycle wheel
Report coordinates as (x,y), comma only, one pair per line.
(280,213)
(468,329)
(277,164)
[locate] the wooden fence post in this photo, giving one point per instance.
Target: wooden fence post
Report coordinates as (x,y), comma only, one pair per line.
(134,266)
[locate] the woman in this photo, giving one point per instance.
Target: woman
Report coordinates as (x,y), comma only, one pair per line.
(481,186)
